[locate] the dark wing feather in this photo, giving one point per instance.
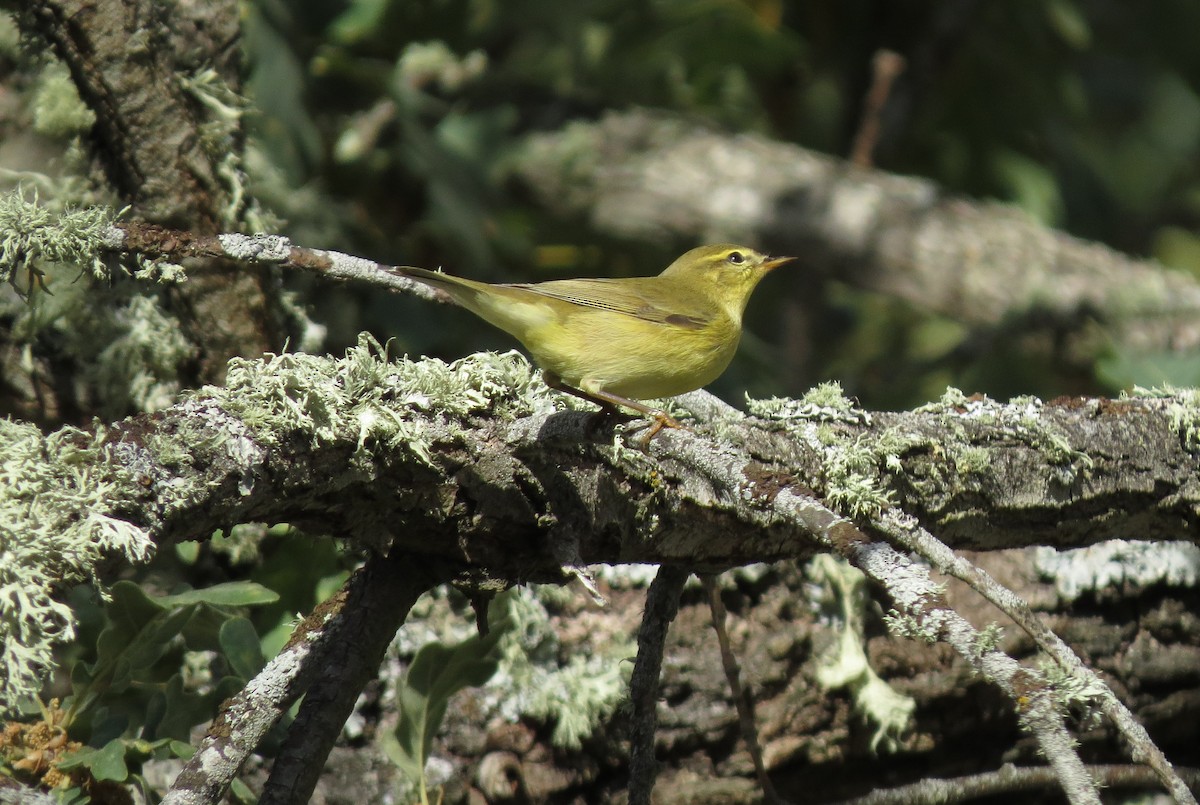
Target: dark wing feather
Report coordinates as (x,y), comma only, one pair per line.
(631,297)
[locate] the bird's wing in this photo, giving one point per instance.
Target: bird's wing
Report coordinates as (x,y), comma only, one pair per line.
(630,297)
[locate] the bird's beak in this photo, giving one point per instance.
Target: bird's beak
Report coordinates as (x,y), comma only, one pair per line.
(776,262)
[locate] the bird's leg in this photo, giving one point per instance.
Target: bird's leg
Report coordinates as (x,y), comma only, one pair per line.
(609,405)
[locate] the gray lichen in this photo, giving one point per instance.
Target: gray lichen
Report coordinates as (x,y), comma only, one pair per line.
(364,394)
(33,233)
(56,524)
(1118,563)
(845,665)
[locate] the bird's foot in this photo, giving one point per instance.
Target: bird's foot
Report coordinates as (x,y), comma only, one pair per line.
(657,421)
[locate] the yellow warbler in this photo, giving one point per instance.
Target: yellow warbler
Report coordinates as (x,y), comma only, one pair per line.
(617,341)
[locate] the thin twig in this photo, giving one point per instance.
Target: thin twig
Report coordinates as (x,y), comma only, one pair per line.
(1008,779)
(886,67)
(155,242)
(662,604)
(920,600)
(905,530)
(741,699)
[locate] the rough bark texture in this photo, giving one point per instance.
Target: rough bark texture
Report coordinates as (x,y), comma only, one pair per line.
(130,62)
(519,497)
(522,497)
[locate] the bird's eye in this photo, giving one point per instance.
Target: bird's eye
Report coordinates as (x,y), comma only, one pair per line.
(736,258)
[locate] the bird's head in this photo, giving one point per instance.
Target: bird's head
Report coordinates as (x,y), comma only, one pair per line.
(727,273)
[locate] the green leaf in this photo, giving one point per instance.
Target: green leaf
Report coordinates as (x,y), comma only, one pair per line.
(242,792)
(181,749)
(156,710)
(183,711)
(437,673)
(229,594)
(242,648)
(105,763)
(155,637)
(107,725)
(138,633)
(72,796)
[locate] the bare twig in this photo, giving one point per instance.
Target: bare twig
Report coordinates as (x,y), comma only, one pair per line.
(662,604)
(886,68)
(905,530)
(1007,779)
(741,698)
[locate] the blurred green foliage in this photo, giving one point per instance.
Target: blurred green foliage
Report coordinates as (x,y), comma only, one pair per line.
(145,670)
(386,124)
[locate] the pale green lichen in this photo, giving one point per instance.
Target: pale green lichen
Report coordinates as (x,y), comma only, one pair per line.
(580,696)
(852,478)
(160,271)
(32,233)
(952,399)
(971,460)
(56,525)
(1185,418)
(371,397)
(1076,693)
(577,698)
(928,628)
(908,626)
(825,402)
(1183,411)
(219,133)
(1023,418)
(129,350)
(141,359)
(854,481)
(987,639)
(845,665)
(57,108)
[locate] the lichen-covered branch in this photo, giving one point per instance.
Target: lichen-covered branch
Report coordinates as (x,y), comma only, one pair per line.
(1076,674)
(162,85)
(478,462)
(480,465)
(654,176)
(379,597)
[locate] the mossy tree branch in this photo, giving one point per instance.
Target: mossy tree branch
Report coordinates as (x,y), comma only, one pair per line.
(501,482)
(474,464)
(498,476)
